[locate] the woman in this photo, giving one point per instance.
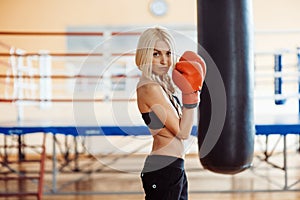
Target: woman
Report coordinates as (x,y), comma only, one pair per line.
(163,175)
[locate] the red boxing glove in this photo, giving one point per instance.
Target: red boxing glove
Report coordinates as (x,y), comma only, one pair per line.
(189,77)
(192,56)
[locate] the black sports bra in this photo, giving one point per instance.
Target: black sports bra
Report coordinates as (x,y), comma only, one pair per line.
(151,119)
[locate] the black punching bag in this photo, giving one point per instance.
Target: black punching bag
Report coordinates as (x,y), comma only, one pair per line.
(226,123)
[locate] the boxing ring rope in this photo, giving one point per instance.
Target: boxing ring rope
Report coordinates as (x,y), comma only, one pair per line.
(51,54)
(64,76)
(266,128)
(33,33)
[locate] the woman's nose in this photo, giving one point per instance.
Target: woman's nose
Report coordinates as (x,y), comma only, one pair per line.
(163,59)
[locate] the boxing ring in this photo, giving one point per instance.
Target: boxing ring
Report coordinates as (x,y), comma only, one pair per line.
(29,79)
(282,123)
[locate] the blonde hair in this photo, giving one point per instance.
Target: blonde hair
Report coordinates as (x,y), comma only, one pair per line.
(144,55)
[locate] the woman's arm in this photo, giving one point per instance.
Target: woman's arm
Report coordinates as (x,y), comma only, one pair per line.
(186,123)
(189,75)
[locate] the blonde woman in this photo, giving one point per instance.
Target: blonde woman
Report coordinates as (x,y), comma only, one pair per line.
(163,175)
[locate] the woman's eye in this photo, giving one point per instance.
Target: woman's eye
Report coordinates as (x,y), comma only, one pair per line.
(155,54)
(169,53)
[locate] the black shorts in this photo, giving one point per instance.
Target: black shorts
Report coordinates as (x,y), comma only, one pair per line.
(164,178)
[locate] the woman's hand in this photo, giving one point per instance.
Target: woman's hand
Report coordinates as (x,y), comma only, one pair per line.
(188,75)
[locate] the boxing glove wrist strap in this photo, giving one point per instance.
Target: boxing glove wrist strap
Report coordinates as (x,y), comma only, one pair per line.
(191,106)
(191,100)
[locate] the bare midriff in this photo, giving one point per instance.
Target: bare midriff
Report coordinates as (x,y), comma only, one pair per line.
(165,143)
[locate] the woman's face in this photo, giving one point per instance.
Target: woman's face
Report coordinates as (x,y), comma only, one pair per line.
(162,58)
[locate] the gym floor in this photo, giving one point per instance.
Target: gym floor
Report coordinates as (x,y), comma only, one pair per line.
(115,177)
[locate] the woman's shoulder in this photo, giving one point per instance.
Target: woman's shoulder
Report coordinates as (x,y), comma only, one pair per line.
(148,93)
(148,87)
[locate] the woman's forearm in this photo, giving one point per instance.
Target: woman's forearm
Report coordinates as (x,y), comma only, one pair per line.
(186,123)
